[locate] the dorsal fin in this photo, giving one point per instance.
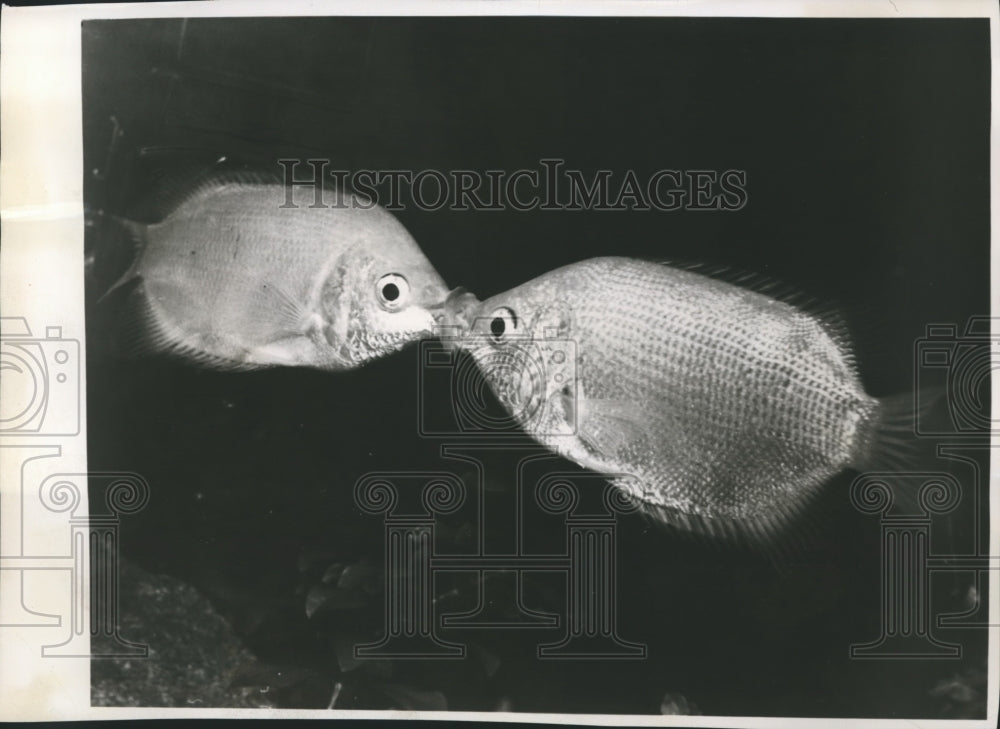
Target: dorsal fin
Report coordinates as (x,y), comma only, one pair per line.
(828,315)
(175,177)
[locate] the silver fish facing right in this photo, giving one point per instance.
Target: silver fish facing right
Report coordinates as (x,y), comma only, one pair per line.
(232,279)
(717,408)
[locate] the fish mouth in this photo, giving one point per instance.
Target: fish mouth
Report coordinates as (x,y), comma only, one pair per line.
(453,317)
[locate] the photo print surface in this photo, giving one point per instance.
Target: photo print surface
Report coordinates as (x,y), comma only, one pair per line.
(556,365)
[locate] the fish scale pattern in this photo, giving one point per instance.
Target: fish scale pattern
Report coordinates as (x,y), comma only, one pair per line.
(722,402)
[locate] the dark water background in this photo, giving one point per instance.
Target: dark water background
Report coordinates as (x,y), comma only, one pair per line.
(865,145)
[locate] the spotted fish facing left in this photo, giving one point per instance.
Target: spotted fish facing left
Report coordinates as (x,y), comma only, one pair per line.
(717,408)
(230,279)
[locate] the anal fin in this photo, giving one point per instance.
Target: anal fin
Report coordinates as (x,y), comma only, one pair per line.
(781,535)
(144,331)
(294,351)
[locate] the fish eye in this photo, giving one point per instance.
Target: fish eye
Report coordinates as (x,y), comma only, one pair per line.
(391,291)
(503,322)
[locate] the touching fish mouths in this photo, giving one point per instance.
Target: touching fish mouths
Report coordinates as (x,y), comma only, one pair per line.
(453,317)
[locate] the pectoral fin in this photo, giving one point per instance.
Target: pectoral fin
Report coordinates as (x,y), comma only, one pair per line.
(269,312)
(611,429)
(297,351)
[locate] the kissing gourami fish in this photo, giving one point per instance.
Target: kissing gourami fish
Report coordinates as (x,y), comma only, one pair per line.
(231,279)
(717,408)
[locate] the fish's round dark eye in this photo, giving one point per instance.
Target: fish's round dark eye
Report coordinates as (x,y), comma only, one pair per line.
(391,291)
(503,322)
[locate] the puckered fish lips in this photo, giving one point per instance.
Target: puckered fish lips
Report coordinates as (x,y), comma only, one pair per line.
(454,317)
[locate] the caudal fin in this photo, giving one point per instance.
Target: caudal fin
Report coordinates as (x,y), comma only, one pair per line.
(890,440)
(116,255)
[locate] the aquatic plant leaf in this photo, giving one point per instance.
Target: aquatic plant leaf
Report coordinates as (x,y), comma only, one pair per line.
(411,699)
(676,704)
(325,597)
(332,574)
